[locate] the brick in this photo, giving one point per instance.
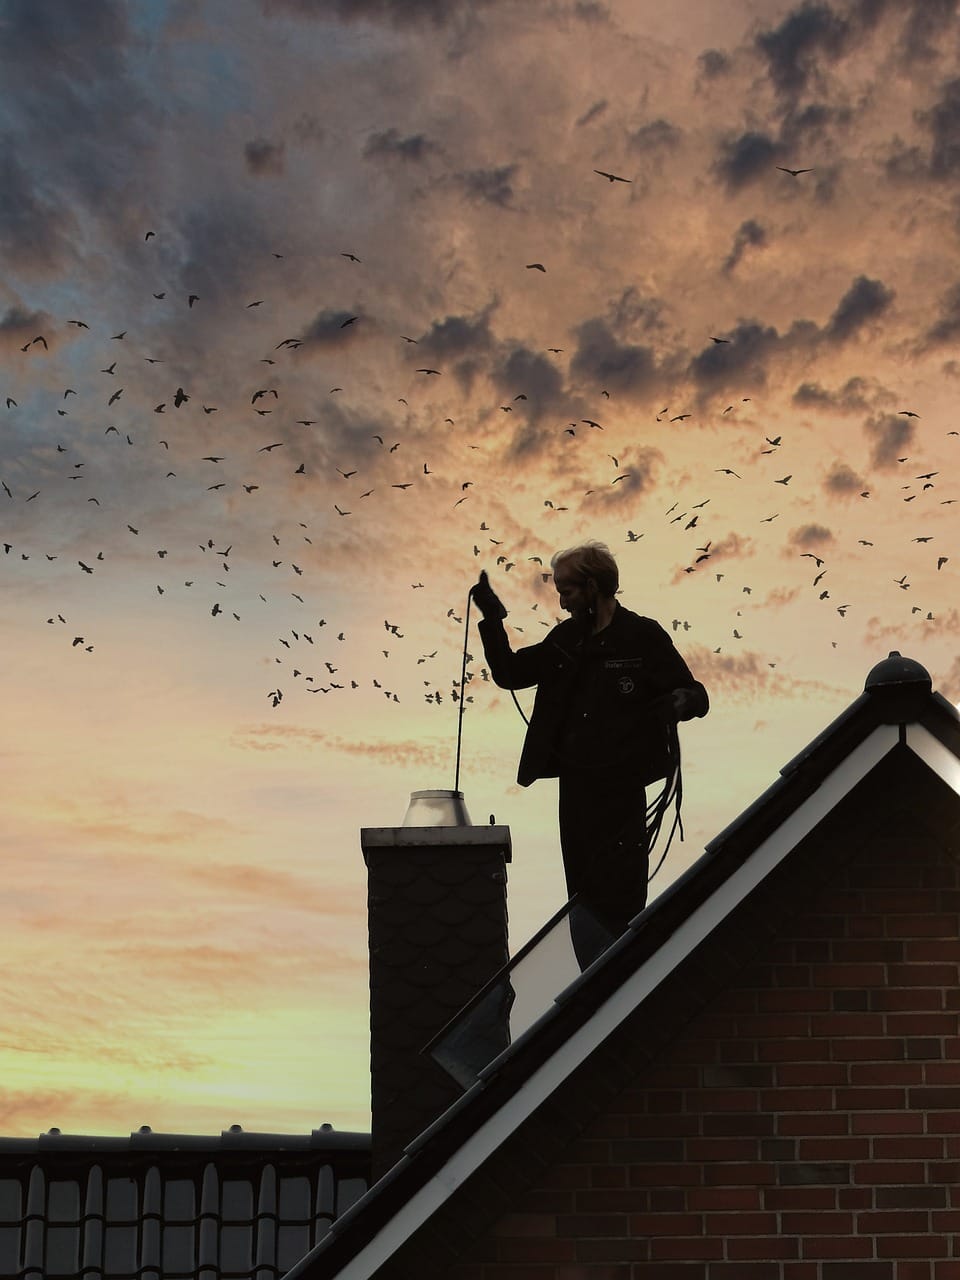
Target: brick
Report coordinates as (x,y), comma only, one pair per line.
(645,1150)
(674,1225)
(868,1048)
(836,1024)
(712,1100)
(916,1197)
(807,1074)
(866,1099)
(821,1223)
(851,975)
(876,1172)
(935,1097)
(819,1122)
(752,1174)
(923,1023)
(719,1199)
(946,1220)
(885,1073)
(759,1124)
(810,1198)
(913,1270)
(688,1250)
(903,1147)
(726,1148)
(922,975)
(802,1174)
(851,1248)
(927,1048)
(813,1099)
(794,1000)
(741,1224)
(913,998)
(941,925)
(799,1049)
(856,1198)
(612,1200)
(612,1271)
(886,1122)
(921,1246)
(672,1175)
(657,1271)
(744,1270)
(526,1250)
(582,1225)
(526,1224)
(621,1250)
(765,1248)
(668,1199)
(893,1221)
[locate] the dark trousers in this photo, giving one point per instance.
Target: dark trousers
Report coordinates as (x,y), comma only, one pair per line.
(603,839)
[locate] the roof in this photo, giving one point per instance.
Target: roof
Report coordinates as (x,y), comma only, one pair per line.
(892,756)
(116,1207)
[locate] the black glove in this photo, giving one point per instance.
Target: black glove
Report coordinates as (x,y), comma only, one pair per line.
(486,599)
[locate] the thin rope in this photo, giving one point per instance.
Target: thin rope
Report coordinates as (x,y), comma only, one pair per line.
(463,688)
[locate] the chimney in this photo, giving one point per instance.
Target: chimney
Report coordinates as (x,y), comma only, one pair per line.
(437,921)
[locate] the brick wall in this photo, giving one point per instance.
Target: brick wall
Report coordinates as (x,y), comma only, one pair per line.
(806,1125)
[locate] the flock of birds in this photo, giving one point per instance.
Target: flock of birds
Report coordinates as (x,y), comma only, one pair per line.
(169,448)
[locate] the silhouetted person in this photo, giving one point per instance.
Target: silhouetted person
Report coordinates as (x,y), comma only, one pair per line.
(610,688)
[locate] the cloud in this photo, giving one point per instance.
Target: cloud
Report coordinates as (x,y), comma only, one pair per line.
(640,469)
(263,156)
(602,360)
(865,300)
(390,142)
(949,682)
(714,63)
(489,186)
(921,39)
(748,675)
(35,228)
(745,158)
(791,49)
(655,135)
(810,535)
(843,481)
(398,12)
(329,329)
(18,326)
(850,398)
(740,360)
(946,329)
(592,113)
(750,234)
(890,435)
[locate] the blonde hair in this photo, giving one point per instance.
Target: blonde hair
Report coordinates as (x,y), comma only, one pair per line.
(592,560)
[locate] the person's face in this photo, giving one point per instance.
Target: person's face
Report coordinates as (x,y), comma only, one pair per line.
(576,592)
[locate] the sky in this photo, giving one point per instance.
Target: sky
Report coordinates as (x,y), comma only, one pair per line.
(310,310)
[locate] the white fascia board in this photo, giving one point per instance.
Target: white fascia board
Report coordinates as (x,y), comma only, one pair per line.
(935,755)
(548,1077)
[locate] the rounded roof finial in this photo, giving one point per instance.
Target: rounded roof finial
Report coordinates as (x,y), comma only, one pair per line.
(897,670)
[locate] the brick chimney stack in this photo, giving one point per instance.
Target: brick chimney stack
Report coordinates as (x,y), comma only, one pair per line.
(437,921)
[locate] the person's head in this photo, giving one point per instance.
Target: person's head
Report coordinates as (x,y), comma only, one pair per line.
(584,575)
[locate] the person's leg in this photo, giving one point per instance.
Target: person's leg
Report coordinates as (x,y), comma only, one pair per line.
(604,844)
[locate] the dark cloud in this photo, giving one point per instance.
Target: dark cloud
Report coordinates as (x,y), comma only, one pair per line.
(743,159)
(714,63)
(811,535)
(639,470)
(63,38)
(890,435)
(489,186)
(946,329)
(18,326)
(850,398)
(524,372)
(791,50)
(457,336)
(602,360)
(398,12)
(391,143)
(592,113)
(750,234)
(34,227)
(654,135)
(634,310)
(865,300)
(943,122)
(843,481)
(741,360)
(927,22)
(328,329)
(263,156)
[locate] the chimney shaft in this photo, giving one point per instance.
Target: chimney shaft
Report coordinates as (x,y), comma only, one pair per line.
(437,920)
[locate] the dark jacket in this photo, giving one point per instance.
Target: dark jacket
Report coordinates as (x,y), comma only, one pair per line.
(602,701)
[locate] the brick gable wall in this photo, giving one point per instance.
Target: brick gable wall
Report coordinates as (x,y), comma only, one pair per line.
(804,1126)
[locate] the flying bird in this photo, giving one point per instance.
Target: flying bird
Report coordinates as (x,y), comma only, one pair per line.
(612,177)
(536,266)
(793,172)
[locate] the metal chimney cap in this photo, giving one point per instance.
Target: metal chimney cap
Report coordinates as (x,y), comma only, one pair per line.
(896,670)
(436,809)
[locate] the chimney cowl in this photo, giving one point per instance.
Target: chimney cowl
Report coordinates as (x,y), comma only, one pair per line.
(436,809)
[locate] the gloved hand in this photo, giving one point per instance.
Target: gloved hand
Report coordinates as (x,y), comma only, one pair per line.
(486,599)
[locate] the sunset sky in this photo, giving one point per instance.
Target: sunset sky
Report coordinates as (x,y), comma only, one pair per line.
(238,532)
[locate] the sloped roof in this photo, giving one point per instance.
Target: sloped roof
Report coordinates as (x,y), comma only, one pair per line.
(118,1206)
(894,754)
